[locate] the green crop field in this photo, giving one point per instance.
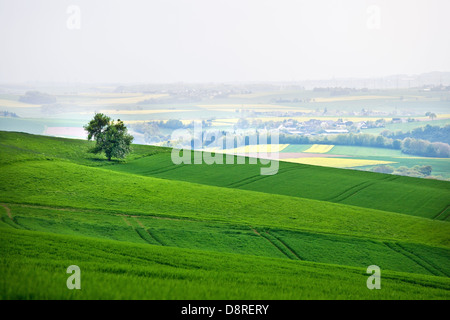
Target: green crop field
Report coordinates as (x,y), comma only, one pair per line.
(418,196)
(144,228)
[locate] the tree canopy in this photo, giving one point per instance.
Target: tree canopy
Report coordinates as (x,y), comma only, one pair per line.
(111,136)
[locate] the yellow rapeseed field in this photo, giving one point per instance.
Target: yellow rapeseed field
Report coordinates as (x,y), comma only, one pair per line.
(338,162)
(105,100)
(17,104)
(260,148)
(320,148)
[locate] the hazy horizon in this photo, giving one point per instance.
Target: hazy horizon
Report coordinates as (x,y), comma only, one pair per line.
(202,41)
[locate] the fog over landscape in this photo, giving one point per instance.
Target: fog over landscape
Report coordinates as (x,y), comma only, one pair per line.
(139,41)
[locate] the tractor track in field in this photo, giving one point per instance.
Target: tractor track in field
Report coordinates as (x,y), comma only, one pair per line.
(270,241)
(434,266)
(141,231)
(126,221)
(154,237)
(8,210)
(413,257)
(89,211)
(358,188)
(15,223)
(351,191)
(287,247)
(148,232)
(440,213)
(142,236)
(136,230)
(166,169)
(275,245)
(248,180)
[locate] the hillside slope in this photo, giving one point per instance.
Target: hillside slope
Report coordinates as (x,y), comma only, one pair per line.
(420,197)
(61,206)
(33,267)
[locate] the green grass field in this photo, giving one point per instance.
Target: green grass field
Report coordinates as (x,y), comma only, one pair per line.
(121,270)
(420,197)
(147,229)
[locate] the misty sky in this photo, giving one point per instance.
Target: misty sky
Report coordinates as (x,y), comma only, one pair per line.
(215,40)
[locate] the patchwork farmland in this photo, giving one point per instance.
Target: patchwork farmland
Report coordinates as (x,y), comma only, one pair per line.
(145,228)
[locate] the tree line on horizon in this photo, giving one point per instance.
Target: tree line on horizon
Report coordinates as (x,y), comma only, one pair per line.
(407,145)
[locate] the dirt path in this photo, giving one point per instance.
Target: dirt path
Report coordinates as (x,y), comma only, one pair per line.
(254,230)
(139,223)
(8,211)
(126,221)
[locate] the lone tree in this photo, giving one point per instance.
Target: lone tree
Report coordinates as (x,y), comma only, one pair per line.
(111,137)
(431,115)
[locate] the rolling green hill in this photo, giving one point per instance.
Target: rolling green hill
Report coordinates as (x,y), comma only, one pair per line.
(120,270)
(212,232)
(421,197)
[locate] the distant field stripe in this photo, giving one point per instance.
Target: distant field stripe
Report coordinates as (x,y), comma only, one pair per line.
(319,148)
(256,148)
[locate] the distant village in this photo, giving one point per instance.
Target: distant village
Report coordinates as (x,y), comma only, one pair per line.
(318,126)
